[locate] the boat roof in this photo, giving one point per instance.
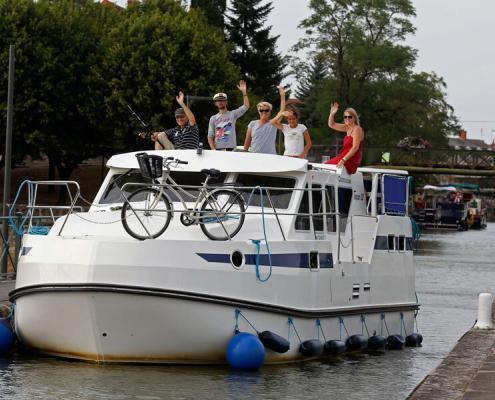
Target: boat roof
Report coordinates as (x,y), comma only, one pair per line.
(237,161)
(227,161)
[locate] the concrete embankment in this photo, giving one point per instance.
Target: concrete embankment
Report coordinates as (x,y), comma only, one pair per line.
(468,371)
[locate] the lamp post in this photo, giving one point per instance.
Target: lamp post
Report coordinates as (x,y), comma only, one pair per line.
(8,159)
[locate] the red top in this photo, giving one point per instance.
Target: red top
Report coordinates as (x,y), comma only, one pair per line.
(352,163)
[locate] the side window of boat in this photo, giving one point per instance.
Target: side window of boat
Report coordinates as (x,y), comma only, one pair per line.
(302,221)
(319,197)
(279,197)
(330,199)
(185,179)
(113,194)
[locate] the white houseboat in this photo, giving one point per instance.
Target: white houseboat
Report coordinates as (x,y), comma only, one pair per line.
(306,253)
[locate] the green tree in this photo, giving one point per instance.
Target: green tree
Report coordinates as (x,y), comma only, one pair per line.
(214,11)
(56,95)
(156,50)
(254,46)
(370,68)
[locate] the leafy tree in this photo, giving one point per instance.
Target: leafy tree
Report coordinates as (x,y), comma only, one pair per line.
(254,47)
(214,11)
(56,96)
(156,50)
(370,68)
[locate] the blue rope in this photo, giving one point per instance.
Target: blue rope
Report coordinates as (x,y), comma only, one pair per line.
(341,322)
(363,325)
(257,242)
(291,323)
(320,328)
(402,324)
(382,316)
(236,328)
(415,229)
(239,313)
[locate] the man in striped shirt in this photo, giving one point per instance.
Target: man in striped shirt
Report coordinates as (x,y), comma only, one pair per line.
(184,136)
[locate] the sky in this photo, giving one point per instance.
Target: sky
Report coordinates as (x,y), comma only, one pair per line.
(453,39)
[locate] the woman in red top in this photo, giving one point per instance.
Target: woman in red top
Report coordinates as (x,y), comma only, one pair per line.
(350,155)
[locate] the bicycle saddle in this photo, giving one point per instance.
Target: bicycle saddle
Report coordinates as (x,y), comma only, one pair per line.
(211,172)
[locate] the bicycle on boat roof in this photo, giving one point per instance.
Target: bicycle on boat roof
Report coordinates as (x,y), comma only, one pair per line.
(147,212)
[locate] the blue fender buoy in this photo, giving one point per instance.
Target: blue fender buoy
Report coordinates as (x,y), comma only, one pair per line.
(414,340)
(334,347)
(395,342)
(6,337)
(311,348)
(245,351)
(274,342)
(356,342)
(377,343)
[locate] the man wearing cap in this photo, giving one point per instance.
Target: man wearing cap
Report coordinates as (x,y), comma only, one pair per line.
(184,136)
(221,129)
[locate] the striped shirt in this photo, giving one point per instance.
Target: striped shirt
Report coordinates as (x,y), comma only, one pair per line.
(187,138)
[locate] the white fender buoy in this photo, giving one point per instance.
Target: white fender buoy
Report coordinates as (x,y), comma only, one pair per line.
(485,301)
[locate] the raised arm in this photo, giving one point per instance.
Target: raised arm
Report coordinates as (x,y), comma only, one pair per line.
(276,120)
(243,88)
(189,114)
(331,119)
(281,91)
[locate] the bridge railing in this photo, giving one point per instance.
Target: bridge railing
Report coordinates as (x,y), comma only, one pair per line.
(441,158)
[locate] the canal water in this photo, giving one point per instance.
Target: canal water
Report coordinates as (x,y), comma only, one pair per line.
(452,268)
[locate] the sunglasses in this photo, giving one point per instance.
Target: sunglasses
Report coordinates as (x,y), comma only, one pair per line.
(347,116)
(263,111)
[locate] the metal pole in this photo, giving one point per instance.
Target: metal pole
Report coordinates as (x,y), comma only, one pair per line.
(8,155)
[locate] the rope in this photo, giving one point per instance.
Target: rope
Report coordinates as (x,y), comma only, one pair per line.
(239,313)
(341,324)
(416,323)
(415,229)
(363,325)
(382,317)
(319,327)
(257,242)
(402,324)
(291,323)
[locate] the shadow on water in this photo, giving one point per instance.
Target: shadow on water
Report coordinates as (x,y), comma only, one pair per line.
(451,269)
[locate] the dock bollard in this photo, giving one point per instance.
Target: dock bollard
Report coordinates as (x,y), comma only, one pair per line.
(485,301)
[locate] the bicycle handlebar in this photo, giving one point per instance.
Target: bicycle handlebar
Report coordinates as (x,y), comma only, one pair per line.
(181,162)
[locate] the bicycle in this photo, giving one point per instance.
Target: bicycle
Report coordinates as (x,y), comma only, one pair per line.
(218,212)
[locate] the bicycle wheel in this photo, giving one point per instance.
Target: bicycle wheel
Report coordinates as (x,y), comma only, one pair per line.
(222,214)
(149,216)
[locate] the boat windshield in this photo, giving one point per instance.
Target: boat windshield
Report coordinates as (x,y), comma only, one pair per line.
(113,192)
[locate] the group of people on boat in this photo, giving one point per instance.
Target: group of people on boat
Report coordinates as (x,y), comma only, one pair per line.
(261,134)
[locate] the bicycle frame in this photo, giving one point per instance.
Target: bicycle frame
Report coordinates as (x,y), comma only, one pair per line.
(195,213)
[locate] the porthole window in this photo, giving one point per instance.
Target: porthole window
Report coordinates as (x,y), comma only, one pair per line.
(237,259)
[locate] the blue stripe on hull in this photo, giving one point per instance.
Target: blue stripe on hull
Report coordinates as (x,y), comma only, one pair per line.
(290,260)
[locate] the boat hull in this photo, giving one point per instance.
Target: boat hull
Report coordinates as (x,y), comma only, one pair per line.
(126,325)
